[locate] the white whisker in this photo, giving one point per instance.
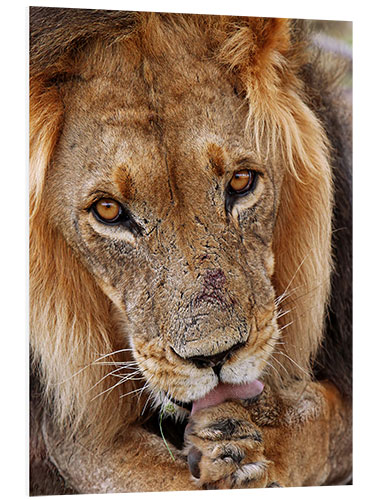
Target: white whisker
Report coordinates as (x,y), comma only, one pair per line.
(285,326)
(97,362)
(103,378)
(271,365)
(122,363)
(111,354)
(107,390)
(132,392)
(146,403)
(278,362)
(297,270)
(128,377)
(146,386)
(286,295)
(292,360)
(282,313)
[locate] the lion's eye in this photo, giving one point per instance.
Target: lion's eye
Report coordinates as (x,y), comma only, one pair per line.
(241,181)
(112,213)
(107,210)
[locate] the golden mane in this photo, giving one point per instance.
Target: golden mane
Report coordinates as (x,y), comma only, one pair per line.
(71,319)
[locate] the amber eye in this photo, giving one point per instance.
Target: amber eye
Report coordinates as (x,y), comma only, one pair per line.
(107,210)
(241,181)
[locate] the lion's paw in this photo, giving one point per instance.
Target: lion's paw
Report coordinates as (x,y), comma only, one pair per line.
(225,449)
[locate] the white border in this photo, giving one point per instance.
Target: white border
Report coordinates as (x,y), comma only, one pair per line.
(14,230)
(319,9)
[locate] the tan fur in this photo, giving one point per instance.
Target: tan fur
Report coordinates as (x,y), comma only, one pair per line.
(142,143)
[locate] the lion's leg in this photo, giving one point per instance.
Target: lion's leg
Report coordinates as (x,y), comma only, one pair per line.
(312,445)
(139,462)
(297,439)
(280,440)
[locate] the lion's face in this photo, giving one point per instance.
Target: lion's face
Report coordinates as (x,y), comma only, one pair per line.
(144,186)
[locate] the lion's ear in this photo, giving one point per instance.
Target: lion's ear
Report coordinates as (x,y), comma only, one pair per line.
(254,47)
(261,54)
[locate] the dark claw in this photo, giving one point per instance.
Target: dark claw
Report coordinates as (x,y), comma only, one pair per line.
(274,485)
(194,457)
(235,455)
(210,486)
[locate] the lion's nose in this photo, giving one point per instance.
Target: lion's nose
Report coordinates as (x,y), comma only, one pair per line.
(215,361)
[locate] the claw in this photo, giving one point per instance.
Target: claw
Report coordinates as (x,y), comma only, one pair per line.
(274,485)
(194,457)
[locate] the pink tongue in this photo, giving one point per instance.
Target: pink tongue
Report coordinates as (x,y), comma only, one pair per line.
(222,392)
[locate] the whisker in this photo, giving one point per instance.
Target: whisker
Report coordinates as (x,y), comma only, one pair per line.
(131,376)
(292,360)
(310,290)
(277,343)
(286,294)
(107,390)
(296,272)
(285,326)
(146,403)
(103,378)
(111,354)
(128,377)
(122,363)
(282,313)
(96,362)
(271,365)
(132,392)
(146,386)
(278,362)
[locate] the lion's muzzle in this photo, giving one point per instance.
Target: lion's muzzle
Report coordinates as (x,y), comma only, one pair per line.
(215,361)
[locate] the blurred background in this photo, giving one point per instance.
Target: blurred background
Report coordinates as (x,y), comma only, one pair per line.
(336,38)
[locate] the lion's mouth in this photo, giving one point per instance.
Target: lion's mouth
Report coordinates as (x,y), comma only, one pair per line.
(182,404)
(222,392)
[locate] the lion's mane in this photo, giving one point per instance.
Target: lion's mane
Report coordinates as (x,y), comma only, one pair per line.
(71,320)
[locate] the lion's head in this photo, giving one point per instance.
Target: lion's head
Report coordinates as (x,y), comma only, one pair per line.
(181,206)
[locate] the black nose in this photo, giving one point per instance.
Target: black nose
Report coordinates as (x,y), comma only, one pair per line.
(215,361)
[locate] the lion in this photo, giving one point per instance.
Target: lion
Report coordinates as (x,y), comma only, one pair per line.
(190,266)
